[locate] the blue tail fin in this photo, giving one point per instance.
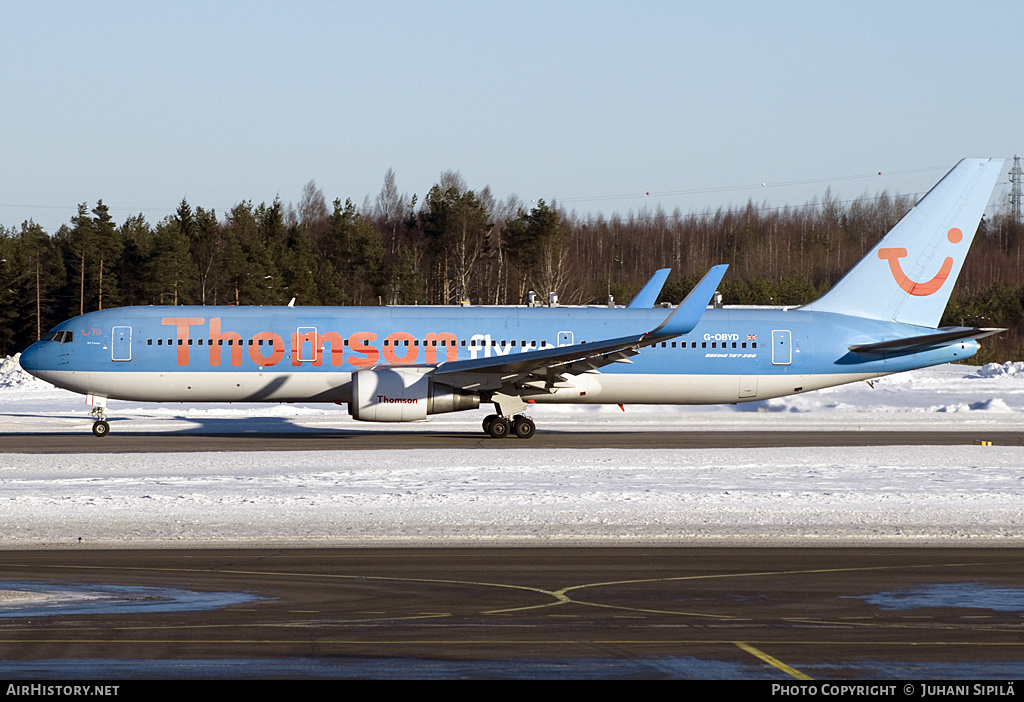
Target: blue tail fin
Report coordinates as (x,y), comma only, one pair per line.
(908,276)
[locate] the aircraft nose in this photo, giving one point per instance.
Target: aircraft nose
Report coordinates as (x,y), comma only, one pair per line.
(32,357)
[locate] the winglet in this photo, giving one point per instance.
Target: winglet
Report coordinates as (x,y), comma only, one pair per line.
(648,295)
(687,315)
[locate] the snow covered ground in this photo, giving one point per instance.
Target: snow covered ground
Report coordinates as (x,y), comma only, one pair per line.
(811,496)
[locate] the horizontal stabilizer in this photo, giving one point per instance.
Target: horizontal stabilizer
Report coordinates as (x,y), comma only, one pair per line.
(648,295)
(926,341)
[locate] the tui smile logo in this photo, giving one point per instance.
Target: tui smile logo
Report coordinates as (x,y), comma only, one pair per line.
(894,255)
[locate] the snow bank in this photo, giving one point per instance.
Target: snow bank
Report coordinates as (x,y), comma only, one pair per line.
(995,370)
(12,376)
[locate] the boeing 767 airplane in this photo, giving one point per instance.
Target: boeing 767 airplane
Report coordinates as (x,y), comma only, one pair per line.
(400,364)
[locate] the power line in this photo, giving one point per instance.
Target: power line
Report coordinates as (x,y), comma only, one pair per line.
(734,188)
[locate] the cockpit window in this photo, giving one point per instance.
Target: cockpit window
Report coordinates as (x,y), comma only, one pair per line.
(61,337)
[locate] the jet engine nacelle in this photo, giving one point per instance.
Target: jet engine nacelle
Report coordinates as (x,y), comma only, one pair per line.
(403,395)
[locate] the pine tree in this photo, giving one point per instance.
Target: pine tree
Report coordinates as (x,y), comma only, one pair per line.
(80,244)
(357,253)
(133,271)
(8,292)
(108,248)
(252,277)
(207,245)
(171,269)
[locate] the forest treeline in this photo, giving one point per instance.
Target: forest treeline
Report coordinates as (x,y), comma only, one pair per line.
(459,244)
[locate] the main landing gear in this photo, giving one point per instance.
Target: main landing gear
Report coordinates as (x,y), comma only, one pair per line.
(499,427)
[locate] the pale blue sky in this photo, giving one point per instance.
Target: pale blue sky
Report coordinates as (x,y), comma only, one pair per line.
(141,104)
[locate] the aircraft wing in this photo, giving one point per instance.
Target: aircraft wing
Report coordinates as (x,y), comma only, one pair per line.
(491,373)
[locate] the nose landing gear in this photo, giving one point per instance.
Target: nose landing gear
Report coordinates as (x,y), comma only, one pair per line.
(100,427)
(98,412)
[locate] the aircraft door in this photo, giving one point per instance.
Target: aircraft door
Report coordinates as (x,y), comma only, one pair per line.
(121,344)
(307,344)
(565,338)
(782,347)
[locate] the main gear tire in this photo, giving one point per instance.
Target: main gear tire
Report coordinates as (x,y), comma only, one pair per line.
(499,428)
(523,427)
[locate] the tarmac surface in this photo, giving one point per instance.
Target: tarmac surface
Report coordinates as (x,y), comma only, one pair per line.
(639,612)
(644,612)
(160,442)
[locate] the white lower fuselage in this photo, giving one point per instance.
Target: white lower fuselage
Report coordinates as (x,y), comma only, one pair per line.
(588,388)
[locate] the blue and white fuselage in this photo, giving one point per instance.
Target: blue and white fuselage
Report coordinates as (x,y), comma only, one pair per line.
(396,364)
(204,354)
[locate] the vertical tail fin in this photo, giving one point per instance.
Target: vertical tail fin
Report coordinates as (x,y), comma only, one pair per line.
(908,276)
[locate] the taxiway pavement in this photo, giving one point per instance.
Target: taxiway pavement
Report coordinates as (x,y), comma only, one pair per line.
(788,613)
